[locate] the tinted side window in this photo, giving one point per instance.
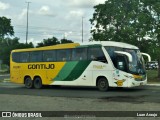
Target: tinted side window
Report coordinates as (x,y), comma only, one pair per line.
(79,54)
(49,55)
(15,57)
(111,51)
(24,57)
(121,63)
(36,56)
(96,54)
(64,55)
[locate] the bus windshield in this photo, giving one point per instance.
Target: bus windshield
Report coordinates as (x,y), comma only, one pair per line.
(137,65)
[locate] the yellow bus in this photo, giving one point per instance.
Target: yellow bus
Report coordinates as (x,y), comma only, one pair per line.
(103,64)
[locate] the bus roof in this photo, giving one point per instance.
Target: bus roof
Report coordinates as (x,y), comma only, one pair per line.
(111,43)
(58,46)
(77,45)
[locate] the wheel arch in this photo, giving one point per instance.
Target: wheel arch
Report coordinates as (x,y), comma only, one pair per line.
(101,77)
(37,76)
(33,78)
(25,78)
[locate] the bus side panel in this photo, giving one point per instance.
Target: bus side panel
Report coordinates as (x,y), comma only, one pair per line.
(52,73)
(72,74)
(88,76)
(101,69)
(46,71)
(15,74)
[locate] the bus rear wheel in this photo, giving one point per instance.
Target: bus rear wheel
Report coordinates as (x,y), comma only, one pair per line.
(28,83)
(37,83)
(102,84)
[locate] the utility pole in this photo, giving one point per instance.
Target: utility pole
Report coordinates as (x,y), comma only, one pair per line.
(27,21)
(64,36)
(82,28)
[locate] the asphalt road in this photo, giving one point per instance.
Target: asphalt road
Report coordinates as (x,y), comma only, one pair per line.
(130,95)
(14,97)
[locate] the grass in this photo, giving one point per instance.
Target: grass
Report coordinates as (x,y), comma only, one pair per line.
(152,76)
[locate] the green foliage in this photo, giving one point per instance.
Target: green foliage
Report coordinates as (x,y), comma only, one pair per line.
(5,27)
(48,42)
(53,41)
(7,45)
(66,41)
(132,21)
(129,21)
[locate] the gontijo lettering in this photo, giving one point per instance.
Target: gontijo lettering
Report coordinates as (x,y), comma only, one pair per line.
(41,66)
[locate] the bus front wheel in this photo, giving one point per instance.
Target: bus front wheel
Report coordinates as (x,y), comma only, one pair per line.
(102,84)
(37,83)
(28,83)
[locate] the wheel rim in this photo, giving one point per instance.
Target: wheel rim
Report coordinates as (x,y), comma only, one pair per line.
(103,84)
(37,83)
(28,83)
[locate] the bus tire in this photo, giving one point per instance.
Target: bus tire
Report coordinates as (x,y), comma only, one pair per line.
(102,84)
(37,83)
(28,83)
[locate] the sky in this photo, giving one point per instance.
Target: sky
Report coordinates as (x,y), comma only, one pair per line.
(48,18)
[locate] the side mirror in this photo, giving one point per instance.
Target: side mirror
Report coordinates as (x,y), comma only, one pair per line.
(149,57)
(125,53)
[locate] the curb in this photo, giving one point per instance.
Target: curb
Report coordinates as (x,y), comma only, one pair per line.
(4,74)
(6,80)
(153,84)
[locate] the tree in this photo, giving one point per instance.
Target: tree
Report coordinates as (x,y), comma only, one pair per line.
(132,21)
(53,41)
(48,42)
(5,27)
(7,45)
(66,41)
